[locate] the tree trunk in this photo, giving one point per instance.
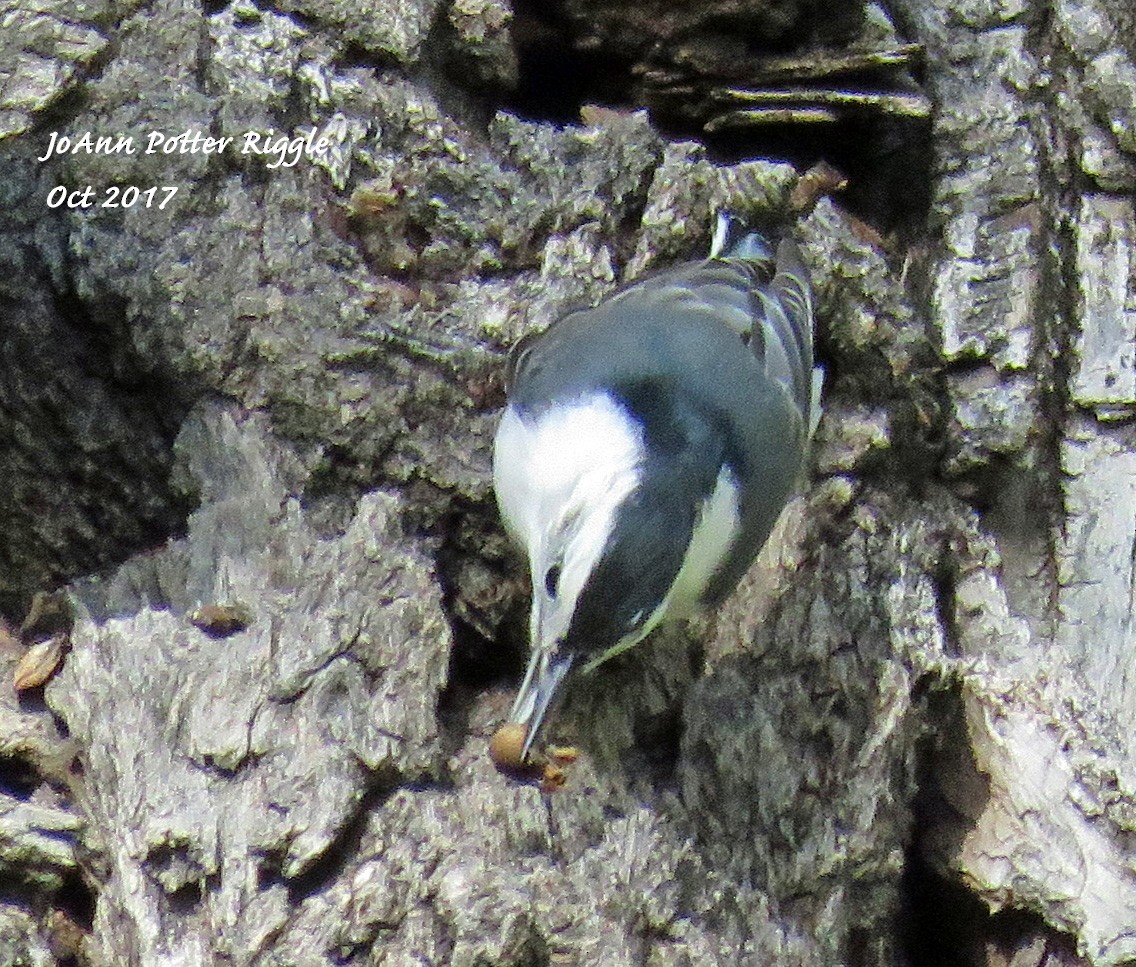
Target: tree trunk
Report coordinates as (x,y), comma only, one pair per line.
(246,428)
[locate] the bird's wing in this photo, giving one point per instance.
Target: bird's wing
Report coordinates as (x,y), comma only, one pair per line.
(782,336)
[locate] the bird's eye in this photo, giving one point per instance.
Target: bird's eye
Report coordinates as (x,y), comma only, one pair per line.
(552,580)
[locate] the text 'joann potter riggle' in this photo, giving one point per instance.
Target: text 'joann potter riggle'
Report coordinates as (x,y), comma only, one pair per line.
(284,150)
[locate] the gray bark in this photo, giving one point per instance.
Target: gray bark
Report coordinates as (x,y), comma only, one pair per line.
(912,725)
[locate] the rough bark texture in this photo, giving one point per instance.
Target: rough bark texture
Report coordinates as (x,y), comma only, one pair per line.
(908,737)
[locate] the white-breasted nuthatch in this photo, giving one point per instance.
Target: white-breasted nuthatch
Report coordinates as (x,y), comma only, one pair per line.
(648,447)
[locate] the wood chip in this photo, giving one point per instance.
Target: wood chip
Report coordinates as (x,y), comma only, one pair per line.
(221,620)
(39,663)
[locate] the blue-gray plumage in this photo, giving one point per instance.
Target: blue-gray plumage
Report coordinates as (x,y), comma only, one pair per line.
(648,447)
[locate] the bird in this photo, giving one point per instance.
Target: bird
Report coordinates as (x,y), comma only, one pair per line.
(647,447)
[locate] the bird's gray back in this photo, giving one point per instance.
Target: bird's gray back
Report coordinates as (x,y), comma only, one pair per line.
(686,321)
(689,331)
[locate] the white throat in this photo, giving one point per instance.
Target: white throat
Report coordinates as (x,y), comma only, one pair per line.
(560,477)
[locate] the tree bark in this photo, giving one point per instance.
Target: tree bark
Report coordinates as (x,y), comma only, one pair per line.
(247,432)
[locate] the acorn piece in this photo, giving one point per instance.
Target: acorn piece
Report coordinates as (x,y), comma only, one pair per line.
(552,779)
(547,770)
(506,745)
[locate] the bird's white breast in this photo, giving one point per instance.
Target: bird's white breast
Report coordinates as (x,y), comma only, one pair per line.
(714,533)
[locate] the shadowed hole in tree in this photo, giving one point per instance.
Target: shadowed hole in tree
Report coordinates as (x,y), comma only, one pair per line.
(48,761)
(18,777)
(948,926)
(883,152)
(943,924)
(269,868)
(939,917)
(489,627)
(76,902)
(65,917)
(654,756)
(941,921)
(887,163)
(89,445)
(336,477)
(476,664)
(186,898)
(554,78)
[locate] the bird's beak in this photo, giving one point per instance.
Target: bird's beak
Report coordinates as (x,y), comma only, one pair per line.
(542,681)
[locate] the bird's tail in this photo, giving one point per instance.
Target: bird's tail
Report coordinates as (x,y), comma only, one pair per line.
(782,336)
(734,239)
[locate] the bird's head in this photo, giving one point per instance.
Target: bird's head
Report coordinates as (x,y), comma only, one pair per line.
(570,482)
(619,533)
